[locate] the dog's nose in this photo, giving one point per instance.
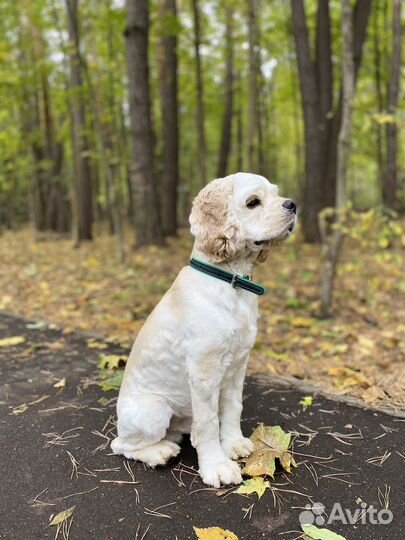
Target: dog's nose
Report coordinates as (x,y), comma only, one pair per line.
(290,205)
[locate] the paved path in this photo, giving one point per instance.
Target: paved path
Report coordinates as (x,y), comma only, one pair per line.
(346,455)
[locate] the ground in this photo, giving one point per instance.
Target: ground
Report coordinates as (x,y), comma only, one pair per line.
(358,352)
(56,424)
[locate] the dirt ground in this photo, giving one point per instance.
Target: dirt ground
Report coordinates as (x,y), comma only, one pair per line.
(359,352)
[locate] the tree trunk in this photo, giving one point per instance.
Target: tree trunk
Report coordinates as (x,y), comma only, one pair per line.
(321,126)
(168,97)
(361,15)
(80,144)
(239,124)
(332,248)
(310,99)
(324,72)
(254,68)
(391,180)
(143,178)
(201,145)
(226,134)
(378,79)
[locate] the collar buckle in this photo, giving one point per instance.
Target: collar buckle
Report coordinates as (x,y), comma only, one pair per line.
(233,280)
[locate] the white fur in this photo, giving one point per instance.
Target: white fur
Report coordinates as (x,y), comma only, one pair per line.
(186,369)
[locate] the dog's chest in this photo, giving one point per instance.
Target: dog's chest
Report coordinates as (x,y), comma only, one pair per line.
(240,333)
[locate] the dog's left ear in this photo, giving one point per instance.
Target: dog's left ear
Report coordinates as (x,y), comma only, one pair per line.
(213,221)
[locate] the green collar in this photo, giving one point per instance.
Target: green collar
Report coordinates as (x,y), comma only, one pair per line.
(243,282)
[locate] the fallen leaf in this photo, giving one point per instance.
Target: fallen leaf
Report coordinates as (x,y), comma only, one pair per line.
(306,402)
(320,534)
(254,485)
(112,383)
(61,383)
(96,345)
(39,325)
(62,516)
(346,377)
(270,442)
(278,356)
(112,361)
(302,322)
(214,533)
(11,341)
(372,394)
(20,409)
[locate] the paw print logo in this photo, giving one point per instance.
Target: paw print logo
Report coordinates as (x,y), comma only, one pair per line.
(313,514)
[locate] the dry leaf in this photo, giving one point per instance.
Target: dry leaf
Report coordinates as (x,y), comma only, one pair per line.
(61,383)
(11,341)
(96,345)
(346,377)
(372,394)
(302,322)
(320,534)
(20,409)
(112,361)
(270,442)
(62,516)
(254,485)
(214,533)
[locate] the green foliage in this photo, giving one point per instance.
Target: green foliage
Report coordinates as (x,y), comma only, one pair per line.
(34,60)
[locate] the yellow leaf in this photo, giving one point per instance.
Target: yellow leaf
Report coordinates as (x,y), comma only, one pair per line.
(112,361)
(270,442)
(346,377)
(214,533)
(306,402)
(61,383)
(302,322)
(366,344)
(254,485)
(11,341)
(96,345)
(62,516)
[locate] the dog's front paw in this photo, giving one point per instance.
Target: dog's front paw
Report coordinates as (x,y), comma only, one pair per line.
(225,472)
(237,448)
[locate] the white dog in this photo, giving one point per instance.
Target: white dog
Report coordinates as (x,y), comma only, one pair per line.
(186,369)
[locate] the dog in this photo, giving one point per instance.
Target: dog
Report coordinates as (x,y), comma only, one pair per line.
(186,370)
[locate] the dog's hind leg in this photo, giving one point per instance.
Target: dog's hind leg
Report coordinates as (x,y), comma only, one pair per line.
(142,425)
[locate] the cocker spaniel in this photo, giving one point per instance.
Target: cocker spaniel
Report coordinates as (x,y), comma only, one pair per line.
(186,369)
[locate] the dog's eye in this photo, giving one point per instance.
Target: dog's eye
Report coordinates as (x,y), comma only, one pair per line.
(252,202)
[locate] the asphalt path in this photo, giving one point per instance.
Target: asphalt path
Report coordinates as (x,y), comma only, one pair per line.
(54,455)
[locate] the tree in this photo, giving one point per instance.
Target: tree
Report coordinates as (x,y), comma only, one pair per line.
(82,181)
(391,180)
(332,246)
(379,84)
(226,132)
(254,127)
(200,114)
(168,98)
(321,123)
(143,177)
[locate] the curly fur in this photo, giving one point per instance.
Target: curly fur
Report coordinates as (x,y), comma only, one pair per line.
(186,369)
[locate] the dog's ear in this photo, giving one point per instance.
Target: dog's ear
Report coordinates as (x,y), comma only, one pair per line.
(213,221)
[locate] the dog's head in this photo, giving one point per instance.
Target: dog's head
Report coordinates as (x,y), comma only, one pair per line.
(240,214)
